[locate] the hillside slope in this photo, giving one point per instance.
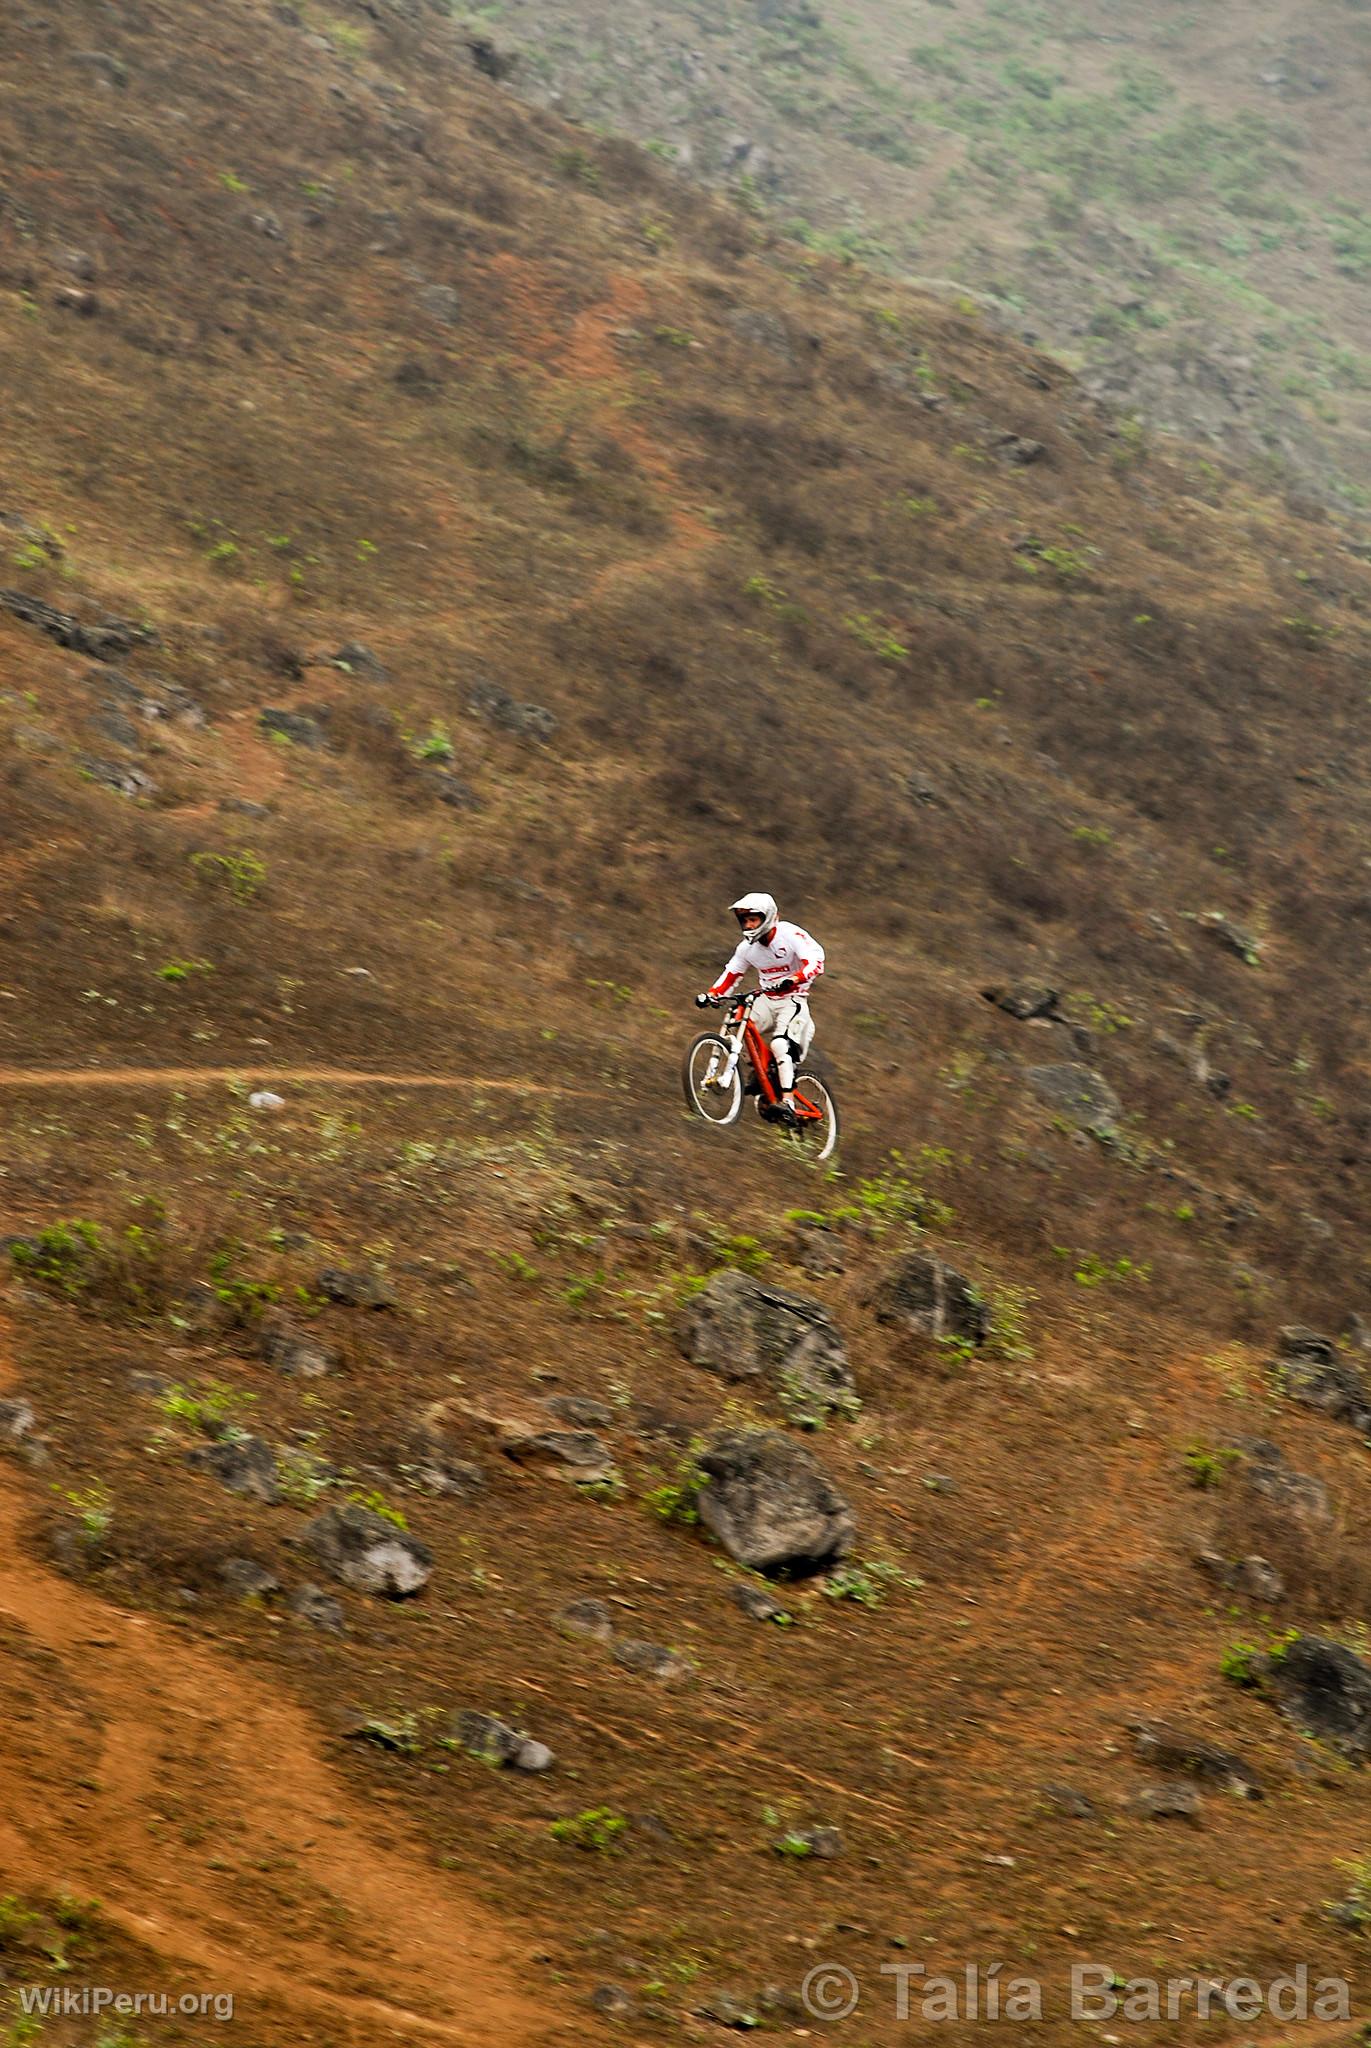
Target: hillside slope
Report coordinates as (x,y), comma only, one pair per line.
(1174,199)
(448,558)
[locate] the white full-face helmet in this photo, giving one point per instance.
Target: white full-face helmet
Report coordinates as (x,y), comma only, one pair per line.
(756,915)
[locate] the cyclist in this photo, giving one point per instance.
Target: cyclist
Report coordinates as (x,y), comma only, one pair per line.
(788,963)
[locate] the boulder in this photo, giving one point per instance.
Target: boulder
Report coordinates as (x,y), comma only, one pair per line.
(1269,1474)
(312,1604)
(756,1603)
(771,1506)
(926,1298)
(1079,1094)
(1025,1001)
(1324,1689)
(744,1330)
(1176,1749)
(587,1617)
(248,1579)
(283,1344)
(368,1552)
(301,728)
(1234,938)
(528,721)
(244,1464)
(494,1742)
(1068,1801)
(364,1288)
(649,1660)
(106,640)
(1167,1802)
(581,1410)
(1312,1371)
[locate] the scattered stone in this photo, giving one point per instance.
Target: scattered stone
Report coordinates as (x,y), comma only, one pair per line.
(312,1604)
(450,789)
(494,1742)
(357,659)
(921,788)
(105,641)
(262,1098)
(123,779)
(1018,449)
(1067,1801)
(727,2011)
(742,1330)
(757,1603)
(1251,1575)
(1269,1474)
(1079,1094)
(108,69)
(817,1251)
(454,1478)
(301,728)
(529,721)
(1176,1749)
(283,1344)
(244,1464)
(1324,1689)
(1231,936)
(1312,1372)
(586,1618)
(368,1552)
(927,1298)
(150,1382)
(823,1842)
(1167,1802)
(268,224)
(441,302)
(17,1419)
(356,1288)
(650,1660)
(1026,1001)
(578,1454)
(771,1506)
(118,729)
(613,2001)
(248,1579)
(490,61)
(581,1410)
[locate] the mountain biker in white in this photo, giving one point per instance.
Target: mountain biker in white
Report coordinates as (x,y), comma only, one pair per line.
(788,963)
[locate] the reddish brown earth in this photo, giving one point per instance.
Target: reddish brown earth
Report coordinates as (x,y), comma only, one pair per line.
(977,722)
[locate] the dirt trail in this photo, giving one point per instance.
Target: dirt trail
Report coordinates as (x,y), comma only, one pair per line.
(268,1078)
(192,1801)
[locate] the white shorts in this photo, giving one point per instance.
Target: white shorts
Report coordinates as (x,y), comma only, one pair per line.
(785,1017)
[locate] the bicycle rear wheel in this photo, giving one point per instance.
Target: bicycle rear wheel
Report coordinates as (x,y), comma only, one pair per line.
(701,1068)
(818,1113)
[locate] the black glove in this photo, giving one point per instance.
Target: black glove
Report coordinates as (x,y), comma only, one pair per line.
(785,988)
(703,1002)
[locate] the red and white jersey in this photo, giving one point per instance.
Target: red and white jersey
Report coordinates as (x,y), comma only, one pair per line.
(791,955)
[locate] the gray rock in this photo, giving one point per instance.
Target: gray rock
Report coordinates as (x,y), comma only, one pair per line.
(121,777)
(494,1742)
(450,789)
(580,1410)
(613,2001)
(244,1464)
(757,1603)
(649,1660)
(106,640)
(248,1579)
(1025,1000)
(528,721)
(727,2011)
(1167,1802)
(17,1419)
(586,1618)
(1233,937)
(455,1478)
(1324,1689)
(301,728)
(108,69)
(1067,1801)
(1079,1094)
(1176,1749)
(579,1453)
(357,658)
(1019,450)
(1268,1473)
(312,1604)
(441,302)
(283,1344)
(817,1251)
(744,1331)
(771,1506)
(1251,1575)
(1312,1371)
(361,1287)
(368,1552)
(825,1843)
(927,1298)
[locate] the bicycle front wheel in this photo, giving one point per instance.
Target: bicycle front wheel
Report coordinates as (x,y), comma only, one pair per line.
(818,1114)
(706,1092)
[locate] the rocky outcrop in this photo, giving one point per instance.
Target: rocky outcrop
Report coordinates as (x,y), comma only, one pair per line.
(926,1298)
(1324,1689)
(369,1553)
(1312,1371)
(746,1331)
(771,1506)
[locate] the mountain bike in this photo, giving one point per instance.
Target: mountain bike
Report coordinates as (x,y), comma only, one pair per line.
(721,1067)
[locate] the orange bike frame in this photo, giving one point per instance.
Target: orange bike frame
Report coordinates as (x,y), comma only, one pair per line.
(760,1056)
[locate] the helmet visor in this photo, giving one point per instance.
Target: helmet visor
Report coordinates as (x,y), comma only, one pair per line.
(750,920)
